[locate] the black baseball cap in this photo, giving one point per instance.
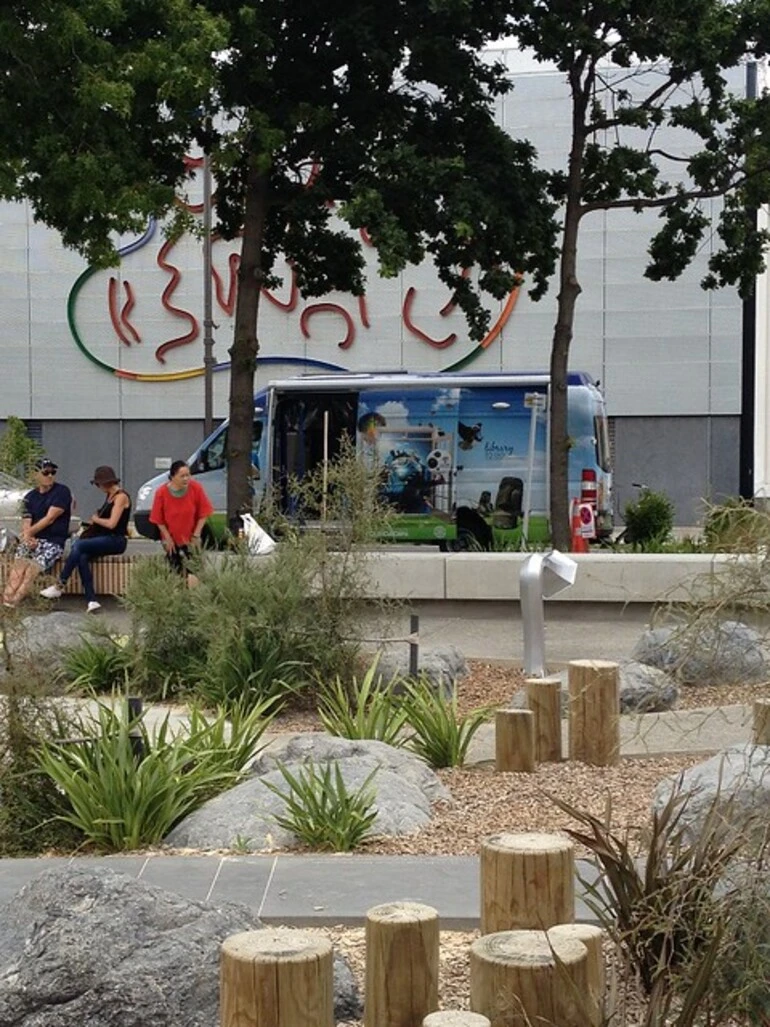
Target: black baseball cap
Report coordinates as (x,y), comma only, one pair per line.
(44,463)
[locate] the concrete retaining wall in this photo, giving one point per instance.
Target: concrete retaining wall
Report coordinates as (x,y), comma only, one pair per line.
(601,577)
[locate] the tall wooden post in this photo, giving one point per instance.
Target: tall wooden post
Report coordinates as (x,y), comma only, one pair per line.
(593,939)
(594,712)
(521,978)
(514,741)
(544,699)
(761,725)
(527,881)
(280,977)
(402,950)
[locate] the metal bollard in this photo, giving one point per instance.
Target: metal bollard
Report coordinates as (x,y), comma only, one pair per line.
(542,575)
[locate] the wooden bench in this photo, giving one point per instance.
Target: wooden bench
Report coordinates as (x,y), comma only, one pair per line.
(111,574)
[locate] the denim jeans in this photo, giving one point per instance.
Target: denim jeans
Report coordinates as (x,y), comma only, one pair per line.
(83,551)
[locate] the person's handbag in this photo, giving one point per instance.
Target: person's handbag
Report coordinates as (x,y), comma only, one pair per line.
(93,531)
(258,542)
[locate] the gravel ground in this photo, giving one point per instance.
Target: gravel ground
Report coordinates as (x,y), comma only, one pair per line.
(486,802)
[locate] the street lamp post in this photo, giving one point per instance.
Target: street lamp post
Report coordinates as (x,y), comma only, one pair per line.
(208,323)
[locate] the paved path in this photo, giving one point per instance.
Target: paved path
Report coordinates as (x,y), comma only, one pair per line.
(301,890)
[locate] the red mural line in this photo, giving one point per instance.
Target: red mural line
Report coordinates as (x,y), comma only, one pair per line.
(406,313)
(128,306)
(169,291)
(227,303)
(363,311)
(448,307)
(112,299)
(293,299)
(331,308)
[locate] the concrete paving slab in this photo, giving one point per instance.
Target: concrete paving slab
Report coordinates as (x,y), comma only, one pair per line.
(243,879)
(339,889)
(191,876)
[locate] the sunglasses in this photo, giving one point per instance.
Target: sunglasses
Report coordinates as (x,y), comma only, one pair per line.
(48,474)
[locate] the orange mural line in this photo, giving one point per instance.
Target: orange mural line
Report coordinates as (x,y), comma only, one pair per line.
(293,299)
(181,340)
(227,303)
(497,327)
(406,313)
(363,310)
(112,302)
(128,306)
(331,308)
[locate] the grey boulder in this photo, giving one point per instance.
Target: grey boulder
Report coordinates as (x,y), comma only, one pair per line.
(723,653)
(642,689)
(440,666)
(93,948)
(734,784)
(244,816)
(43,640)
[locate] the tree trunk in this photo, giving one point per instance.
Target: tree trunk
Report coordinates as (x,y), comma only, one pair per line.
(243,353)
(569,290)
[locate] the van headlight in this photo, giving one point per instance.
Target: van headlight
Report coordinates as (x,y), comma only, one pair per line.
(144,493)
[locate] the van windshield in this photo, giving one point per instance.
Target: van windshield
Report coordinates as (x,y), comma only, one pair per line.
(214,456)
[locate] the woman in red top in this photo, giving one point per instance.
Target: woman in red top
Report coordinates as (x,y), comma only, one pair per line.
(179,510)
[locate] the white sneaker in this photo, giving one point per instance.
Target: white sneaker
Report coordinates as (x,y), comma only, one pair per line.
(93,607)
(52,592)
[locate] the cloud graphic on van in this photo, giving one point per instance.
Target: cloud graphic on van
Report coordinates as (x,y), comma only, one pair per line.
(393,410)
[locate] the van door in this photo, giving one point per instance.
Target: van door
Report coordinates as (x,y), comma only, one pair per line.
(308,429)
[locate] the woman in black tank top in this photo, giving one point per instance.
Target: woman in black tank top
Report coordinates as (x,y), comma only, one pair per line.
(105,535)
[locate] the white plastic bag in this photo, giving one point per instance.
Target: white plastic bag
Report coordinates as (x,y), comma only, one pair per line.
(8,540)
(257,539)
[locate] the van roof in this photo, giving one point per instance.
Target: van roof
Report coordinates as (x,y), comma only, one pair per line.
(411,379)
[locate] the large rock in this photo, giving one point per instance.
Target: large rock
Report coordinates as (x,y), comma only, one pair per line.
(708,654)
(404,790)
(643,689)
(734,783)
(43,639)
(440,666)
(92,948)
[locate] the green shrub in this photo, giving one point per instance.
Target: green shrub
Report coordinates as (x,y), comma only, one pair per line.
(18,450)
(30,809)
(321,811)
(119,802)
(95,666)
(439,735)
(735,526)
(660,904)
(649,520)
(362,710)
(169,648)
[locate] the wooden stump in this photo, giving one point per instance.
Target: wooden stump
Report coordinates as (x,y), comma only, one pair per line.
(402,949)
(460,1018)
(544,699)
(514,741)
(761,726)
(593,939)
(527,881)
(594,712)
(279,977)
(522,978)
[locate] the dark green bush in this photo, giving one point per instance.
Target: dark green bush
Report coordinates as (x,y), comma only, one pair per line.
(649,520)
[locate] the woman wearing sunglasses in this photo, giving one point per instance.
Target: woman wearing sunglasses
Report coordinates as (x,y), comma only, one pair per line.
(45,528)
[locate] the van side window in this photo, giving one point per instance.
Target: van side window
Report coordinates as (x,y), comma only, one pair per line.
(213,457)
